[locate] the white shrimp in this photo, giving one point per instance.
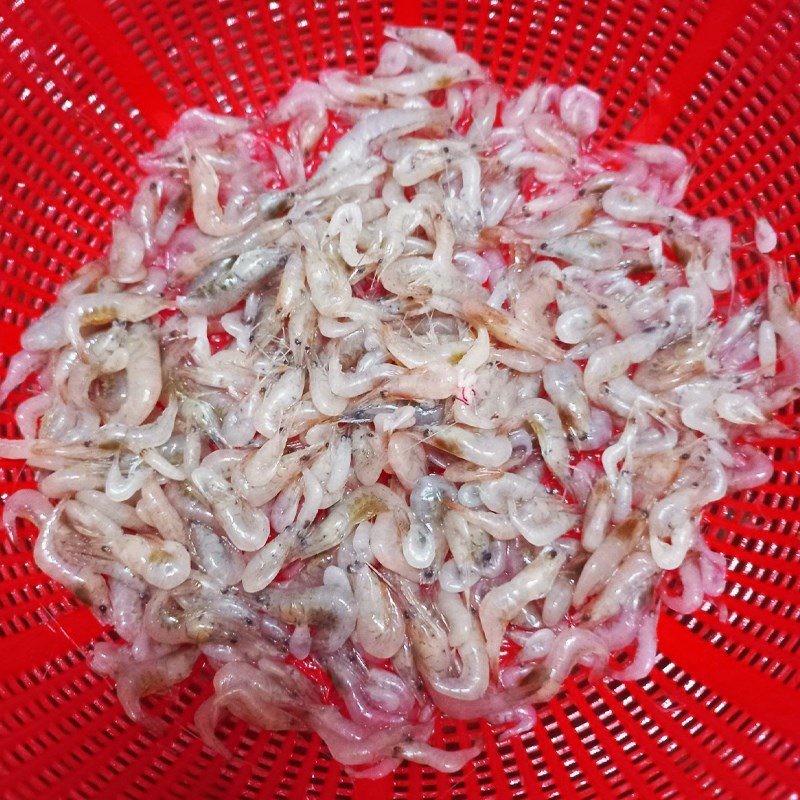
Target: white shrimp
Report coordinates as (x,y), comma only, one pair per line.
(380,628)
(546,424)
(163,564)
(502,603)
(465,636)
(613,361)
(246,526)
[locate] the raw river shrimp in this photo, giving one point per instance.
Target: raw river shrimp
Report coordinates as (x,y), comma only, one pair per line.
(391,414)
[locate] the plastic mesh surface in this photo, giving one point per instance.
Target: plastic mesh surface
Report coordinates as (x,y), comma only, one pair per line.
(86,85)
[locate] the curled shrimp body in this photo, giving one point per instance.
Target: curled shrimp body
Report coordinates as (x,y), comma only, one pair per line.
(380,628)
(27,504)
(208,213)
(88,586)
(386,536)
(502,603)
(163,564)
(425,537)
(214,555)
(247,527)
(359,506)
(465,636)
(673,525)
(282,397)
(143,376)
(102,309)
(330,609)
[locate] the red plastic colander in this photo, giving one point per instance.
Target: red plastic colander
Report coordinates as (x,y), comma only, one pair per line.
(87,85)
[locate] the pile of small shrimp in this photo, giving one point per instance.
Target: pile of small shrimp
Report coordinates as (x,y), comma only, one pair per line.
(407,387)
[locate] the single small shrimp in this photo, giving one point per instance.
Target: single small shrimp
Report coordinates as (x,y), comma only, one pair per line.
(90,522)
(425,537)
(27,504)
(325,401)
(465,636)
(135,680)
(88,586)
(126,254)
(328,285)
(291,287)
(22,364)
(208,214)
(631,580)
(499,526)
(541,520)
(67,480)
(433,382)
(155,509)
(674,365)
(579,108)
(475,553)
(406,457)
(214,555)
(121,487)
(96,309)
(363,504)
(47,332)
(225,284)
(246,526)
(370,455)
(673,523)
(143,374)
(484,448)
(380,629)
(502,603)
(613,361)
(265,564)
(420,278)
(600,566)
(545,422)
(283,396)
(510,331)
(597,515)
(563,382)
(163,564)
(765,236)
(358,382)
(386,536)
(330,609)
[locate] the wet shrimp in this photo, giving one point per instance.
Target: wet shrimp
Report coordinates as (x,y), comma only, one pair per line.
(462,377)
(502,603)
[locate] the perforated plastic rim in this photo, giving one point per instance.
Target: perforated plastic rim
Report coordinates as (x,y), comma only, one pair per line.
(724,693)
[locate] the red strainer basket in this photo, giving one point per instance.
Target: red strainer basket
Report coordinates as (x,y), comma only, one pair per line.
(87,85)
